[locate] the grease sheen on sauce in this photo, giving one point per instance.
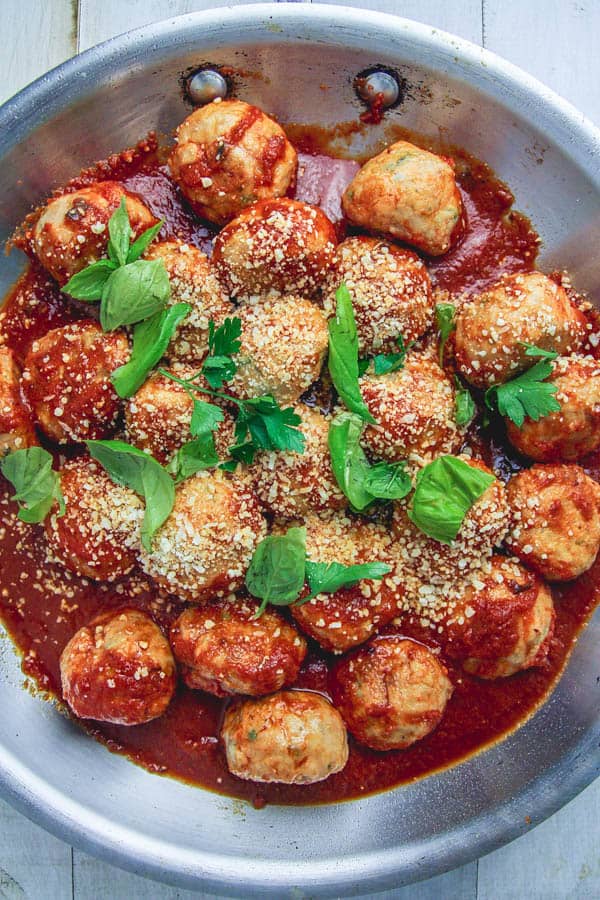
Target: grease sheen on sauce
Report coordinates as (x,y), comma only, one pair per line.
(43,605)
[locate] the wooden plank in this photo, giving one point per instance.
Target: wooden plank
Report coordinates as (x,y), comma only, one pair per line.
(555,41)
(95,880)
(33,864)
(36,36)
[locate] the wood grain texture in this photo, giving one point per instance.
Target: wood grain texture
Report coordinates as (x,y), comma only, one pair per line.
(554,40)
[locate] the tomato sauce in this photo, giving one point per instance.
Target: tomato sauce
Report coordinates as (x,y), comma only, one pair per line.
(43,605)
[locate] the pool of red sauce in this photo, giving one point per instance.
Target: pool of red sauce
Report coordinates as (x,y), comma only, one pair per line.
(42,605)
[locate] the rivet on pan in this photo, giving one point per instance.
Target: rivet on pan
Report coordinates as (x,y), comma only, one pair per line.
(381,83)
(205,86)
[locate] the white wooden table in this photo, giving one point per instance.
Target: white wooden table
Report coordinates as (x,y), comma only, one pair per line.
(556,40)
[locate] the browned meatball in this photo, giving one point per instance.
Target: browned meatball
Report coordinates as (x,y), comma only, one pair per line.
(16,423)
(415,412)
(391,693)
(502,622)
(72,230)
(390,289)
(230,154)
(192,281)
(526,308)
(204,548)
(556,520)
(224,649)
(346,618)
(284,342)
(575,430)
(291,485)
(118,669)
(296,737)
(276,246)
(99,534)
(158,417)
(67,381)
(408,193)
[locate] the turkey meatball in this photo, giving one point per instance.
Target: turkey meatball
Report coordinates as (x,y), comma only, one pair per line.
(228,155)
(192,281)
(349,616)
(16,424)
(72,230)
(66,379)
(295,737)
(158,417)
(224,649)
(492,330)
(276,246)
(502,623)
(204,548)
(574,431)
(99,534)
(390,289)
(391,693)
(118,669)
(415,412)
(291,485)
(409,194)
(556,520)
(284,342)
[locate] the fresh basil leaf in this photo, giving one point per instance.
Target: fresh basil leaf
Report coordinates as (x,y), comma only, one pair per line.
(445,318)
(206,417)
(218,369)
(445,491)
(89,283)
(343,354)
(150,341)
(384,363)
(195,456)
(225,340)
(532,350)
(119,234)
(388,481)
(330,577)
(277,570)
(36,484)
(527,395)
(464,405)
(142,243)
(133,293)
(141,473)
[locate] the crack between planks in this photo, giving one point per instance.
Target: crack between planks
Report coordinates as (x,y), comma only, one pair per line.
(483,31)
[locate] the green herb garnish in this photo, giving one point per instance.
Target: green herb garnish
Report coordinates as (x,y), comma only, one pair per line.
(327,578)
(361,482)
(464,405)
(132,468)
(343,354)
(36,484)
(195,456)
(445,491)
(223,343)
(529,394)
(384,363)
(445,318)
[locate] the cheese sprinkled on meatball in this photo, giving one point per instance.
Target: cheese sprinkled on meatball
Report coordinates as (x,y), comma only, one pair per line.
(16,423)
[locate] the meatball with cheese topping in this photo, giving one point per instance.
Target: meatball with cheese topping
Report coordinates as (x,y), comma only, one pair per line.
(275,247)
(391,692)
(66,379)
(493,329)
(228,155)
(556,520)
(390,290)
(17,430)
(192,281)
(204,548)
(349,616)
(118,669)
(574,430)
(284,342)
(409,194)
(291,484)
(223,648)
(414,410)
(159,415)
(294,737)
(72,230)
(502,622)
(99,534)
